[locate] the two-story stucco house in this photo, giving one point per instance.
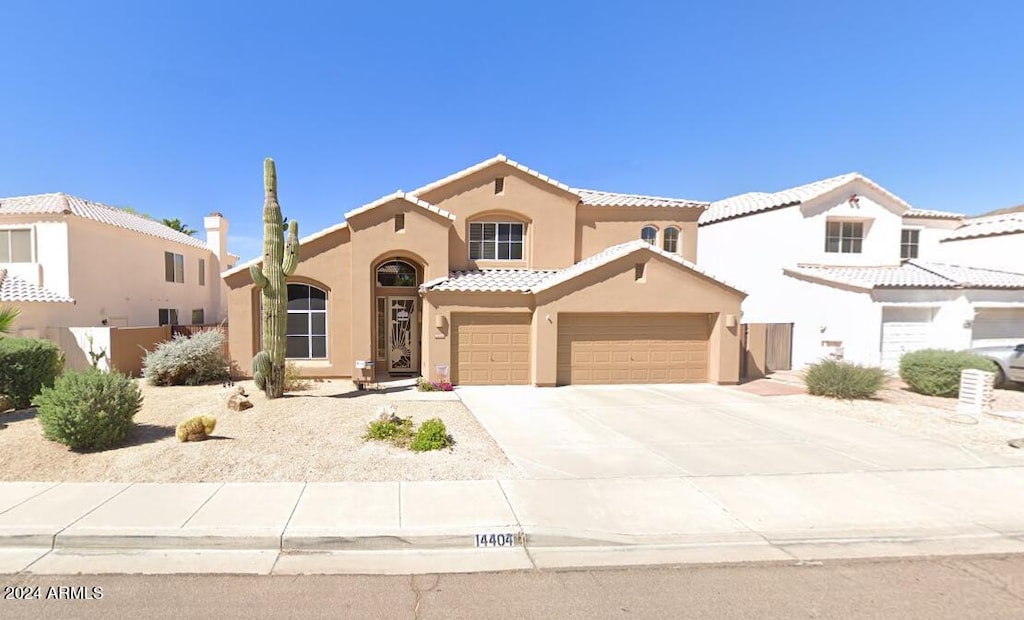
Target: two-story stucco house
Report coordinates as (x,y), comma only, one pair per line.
(858,272)
(505,276)
(68,262)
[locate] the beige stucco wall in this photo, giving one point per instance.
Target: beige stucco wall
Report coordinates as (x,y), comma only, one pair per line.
(119,276)
(549,214)
(598,228)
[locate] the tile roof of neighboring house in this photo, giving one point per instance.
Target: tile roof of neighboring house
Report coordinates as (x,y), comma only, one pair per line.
(486,164)
(14,288)
(404,196)
(60,203)
(911,274)
(929,213)
(986,226)
(597,198)
(754,202)
(534,281)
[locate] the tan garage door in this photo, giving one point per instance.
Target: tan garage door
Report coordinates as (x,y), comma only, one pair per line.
(491,349)
(632,348)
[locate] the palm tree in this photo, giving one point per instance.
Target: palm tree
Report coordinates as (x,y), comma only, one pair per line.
(178,226)
(7,316)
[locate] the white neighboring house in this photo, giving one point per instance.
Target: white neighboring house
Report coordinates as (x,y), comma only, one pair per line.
(68,262)
(857,270)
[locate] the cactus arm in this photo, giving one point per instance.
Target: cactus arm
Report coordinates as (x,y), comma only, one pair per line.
(257,276)
(291,249)
(261,369)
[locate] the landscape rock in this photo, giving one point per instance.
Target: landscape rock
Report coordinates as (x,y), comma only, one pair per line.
(238,402)
(1016,443)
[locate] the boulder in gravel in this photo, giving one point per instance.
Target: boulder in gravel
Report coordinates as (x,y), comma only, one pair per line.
(237,402)
(1016,443)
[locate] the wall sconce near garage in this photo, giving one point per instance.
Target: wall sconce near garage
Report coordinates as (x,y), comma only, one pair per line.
(439,321)
(731,320)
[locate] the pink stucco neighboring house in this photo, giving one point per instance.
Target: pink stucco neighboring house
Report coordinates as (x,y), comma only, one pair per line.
(70,262)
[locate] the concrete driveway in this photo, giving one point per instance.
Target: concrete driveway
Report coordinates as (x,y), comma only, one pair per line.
(698,430)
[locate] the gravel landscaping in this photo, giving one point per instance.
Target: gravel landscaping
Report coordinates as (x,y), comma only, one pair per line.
(932,417)
(314,435)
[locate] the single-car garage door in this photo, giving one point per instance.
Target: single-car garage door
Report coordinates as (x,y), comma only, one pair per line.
(491,349)
(904,330)
(632,348)
(997,326)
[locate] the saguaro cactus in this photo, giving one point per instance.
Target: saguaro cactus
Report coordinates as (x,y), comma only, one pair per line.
(279,261)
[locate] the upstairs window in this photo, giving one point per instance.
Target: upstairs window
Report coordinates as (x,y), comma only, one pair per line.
(670,241)
(649,234)
(16,246)
(909,239)
(202,272)
(174,267)
(844,237)
(496,241)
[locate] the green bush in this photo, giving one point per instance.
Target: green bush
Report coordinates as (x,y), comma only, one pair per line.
(432,436)
(293,379)
(187,360)
(844,380)
(936,372)
(395,430)
(89,410)
(26,366)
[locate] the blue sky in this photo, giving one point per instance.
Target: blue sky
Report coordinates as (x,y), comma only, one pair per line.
(170,107)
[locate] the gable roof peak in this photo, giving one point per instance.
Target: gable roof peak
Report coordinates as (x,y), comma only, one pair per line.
(487,163)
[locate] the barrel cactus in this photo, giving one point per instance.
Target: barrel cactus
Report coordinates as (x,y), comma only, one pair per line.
(196,429)
(280,260)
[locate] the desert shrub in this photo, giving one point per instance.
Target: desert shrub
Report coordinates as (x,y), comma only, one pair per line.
(432,435)
(26,366)
(187,360)
(196,429)
(936,372)
(89,410)
(293,379)
(843,379)
(387,426)
(433,386)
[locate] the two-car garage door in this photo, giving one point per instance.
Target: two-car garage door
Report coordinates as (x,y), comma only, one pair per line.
(632,348)
(494,348)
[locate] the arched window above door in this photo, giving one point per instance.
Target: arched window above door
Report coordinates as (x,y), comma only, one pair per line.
(396,273)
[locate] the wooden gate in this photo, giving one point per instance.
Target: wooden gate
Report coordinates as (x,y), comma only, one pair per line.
(765,348)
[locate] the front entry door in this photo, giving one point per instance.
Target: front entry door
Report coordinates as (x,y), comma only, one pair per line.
(403,343)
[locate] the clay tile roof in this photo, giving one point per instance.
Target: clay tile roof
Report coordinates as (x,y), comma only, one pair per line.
(489,280)
(986,226)
(534,281)
(14,288)
(597,198)
(411,198)
(486,164)
(911,274)
(938,215)
(754,202)
(59,203)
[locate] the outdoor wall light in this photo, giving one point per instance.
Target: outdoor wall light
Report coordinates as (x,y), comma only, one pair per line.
(730,320)
(439,321)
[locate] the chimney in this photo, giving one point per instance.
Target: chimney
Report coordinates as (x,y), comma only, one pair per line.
(216,226)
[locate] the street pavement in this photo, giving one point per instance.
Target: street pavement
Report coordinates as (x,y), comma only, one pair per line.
(637,476)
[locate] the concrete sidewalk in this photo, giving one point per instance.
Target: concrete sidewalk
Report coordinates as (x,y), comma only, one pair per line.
(432,526)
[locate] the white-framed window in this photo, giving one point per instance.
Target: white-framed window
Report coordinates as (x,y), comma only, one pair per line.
(306,332)
(670,240)
(496,240)
(202,272)
(167,316)
(844,237)
(16,245)
(910,239)
(174,267)
(396,273)
(649,234)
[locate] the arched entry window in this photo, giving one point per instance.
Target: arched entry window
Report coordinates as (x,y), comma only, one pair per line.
(307,322)
(649,234)
(396,273)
